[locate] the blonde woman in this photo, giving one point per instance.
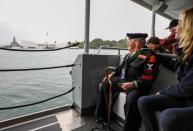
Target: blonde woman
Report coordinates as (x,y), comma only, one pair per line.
(175,102)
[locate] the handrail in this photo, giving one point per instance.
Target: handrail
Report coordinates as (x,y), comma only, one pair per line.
(13,107)
(35,103)
(30,69)
(168,55)
(116,48)
(111,48)
(19,106)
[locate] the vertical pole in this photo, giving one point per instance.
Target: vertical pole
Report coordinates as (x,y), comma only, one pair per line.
(87,24)
(119,51)
(153,20)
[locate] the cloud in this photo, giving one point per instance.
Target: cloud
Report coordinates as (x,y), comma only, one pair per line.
(6,33)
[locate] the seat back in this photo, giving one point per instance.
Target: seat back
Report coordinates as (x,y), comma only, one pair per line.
(165,79)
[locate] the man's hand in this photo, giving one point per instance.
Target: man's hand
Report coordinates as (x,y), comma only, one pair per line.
(110,76)
(127,85)
(157,93)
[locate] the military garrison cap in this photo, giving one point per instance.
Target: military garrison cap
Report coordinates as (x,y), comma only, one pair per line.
(136,35)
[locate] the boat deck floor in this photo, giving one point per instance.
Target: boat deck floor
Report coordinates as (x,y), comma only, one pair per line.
(68,120)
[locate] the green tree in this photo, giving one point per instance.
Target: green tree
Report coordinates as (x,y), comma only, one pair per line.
(81,45)
(96,43)
(122,43)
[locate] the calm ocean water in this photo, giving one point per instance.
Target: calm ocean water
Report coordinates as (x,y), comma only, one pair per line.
(25,87)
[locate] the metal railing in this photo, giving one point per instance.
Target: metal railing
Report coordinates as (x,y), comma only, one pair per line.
(34,69)
(111,48)
(168,55)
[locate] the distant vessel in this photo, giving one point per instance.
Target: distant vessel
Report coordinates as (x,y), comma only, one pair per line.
(34,45)
(13,44)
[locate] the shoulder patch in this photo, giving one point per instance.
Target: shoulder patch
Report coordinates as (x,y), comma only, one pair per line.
(152,59)
(142,56)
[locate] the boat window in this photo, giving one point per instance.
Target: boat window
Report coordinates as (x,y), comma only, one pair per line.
(35,24)
(112,19)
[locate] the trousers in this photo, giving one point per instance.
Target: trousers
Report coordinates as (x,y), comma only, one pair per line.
(175,114)
(132,116)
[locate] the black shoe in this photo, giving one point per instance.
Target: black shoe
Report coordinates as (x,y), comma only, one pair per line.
(100,120)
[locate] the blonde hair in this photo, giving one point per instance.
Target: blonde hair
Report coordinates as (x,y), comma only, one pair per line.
(186,35)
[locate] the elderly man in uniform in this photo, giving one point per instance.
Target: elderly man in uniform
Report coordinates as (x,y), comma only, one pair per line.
(134,76)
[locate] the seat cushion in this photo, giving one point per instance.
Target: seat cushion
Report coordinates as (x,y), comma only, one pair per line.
(118,107)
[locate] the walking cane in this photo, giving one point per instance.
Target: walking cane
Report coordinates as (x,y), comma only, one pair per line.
(110,98)
(109,101)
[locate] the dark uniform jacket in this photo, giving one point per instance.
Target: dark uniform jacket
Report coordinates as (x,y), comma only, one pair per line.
(183,89)
(142,68)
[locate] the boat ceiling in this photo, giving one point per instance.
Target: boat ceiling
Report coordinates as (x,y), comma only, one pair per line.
(167,8)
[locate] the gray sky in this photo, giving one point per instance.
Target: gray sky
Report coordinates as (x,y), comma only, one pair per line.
(64,20)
